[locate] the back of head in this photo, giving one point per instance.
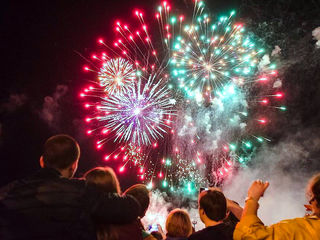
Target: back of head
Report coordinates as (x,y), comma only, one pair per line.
(104,178)
(178,224)
(313,188)
(214,204)
(60,152)
(141,194)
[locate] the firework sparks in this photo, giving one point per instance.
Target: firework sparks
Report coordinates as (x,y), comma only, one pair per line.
(140,116)
(206,57)
(117,76)
(222,97)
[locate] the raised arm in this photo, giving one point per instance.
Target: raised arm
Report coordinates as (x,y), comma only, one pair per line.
(235,208)
(250,226)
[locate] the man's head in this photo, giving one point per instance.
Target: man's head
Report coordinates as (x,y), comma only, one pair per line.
(141,193)
(313,192)
(212,206)
(62,153)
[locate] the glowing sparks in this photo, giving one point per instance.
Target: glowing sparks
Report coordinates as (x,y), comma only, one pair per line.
(140,116)
(206,56)
(117,76)
(210,67)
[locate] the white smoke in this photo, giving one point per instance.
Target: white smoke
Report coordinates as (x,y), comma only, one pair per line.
(277,83)
(159,208)
(264,62)
(276,51)
(286,194)
(51,112)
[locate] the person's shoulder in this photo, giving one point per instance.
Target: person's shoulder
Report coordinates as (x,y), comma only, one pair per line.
(67,185)
(4,190)
(197,235)
(301,220)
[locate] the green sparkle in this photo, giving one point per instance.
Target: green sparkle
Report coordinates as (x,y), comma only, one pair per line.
(164,183)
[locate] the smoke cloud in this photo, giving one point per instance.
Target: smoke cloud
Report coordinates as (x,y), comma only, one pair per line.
(159,208)
(51,111)
(283,166)
(14,102)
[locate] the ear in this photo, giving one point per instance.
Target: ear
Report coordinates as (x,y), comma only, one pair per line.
(41,162)
(228,213)
(201,211)
(74,166)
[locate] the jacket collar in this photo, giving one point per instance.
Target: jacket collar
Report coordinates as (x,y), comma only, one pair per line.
(48,173)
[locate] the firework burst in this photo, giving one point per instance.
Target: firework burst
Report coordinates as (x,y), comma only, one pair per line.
(223,93)
(206,56)
(141,116)
(117,76)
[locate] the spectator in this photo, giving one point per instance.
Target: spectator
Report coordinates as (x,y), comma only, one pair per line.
(234,211)
(142,194)
(213,211)
(51,205)
(106,181)
(251,227)
(178,225)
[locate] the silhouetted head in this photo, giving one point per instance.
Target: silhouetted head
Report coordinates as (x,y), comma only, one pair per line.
(142,194)
(104,178)
(212,206)
(62,153)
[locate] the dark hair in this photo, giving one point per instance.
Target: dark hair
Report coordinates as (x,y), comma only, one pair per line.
(60,152)
(214,204)
(314,188)
(141,193)
(104,178)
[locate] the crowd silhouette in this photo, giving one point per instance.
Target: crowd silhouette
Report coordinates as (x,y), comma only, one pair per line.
(52,204)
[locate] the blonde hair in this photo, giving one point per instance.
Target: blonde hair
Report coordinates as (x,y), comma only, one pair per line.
(178,223)
(104,178)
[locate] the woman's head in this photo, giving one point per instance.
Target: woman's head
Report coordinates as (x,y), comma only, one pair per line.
(104,178)
(313,192)
(178,224)
(142,194)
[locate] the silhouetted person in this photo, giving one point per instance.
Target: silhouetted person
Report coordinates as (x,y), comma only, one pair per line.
(213,211)
(106,181)
(51,205)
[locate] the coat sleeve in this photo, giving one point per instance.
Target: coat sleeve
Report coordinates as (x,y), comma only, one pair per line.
(112,208)
(251,227)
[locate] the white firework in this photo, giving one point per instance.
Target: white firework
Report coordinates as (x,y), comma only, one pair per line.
(139,116)
(117,76)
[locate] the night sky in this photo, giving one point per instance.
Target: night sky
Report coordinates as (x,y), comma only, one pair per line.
(39,45)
